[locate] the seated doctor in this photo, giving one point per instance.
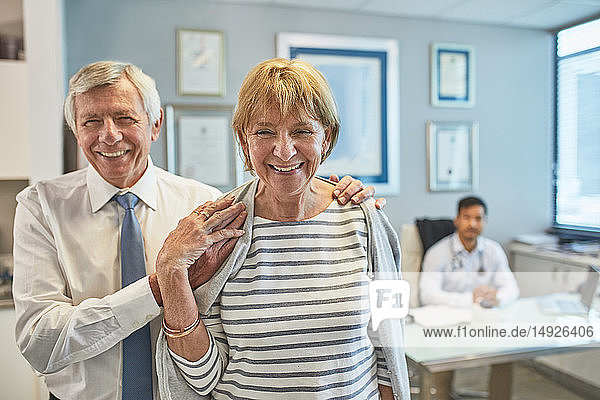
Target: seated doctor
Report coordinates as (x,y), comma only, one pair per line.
(465,267)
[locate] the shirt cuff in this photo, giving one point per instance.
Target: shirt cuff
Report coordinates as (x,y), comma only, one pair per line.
(464,299)
(134,305)
(505,297)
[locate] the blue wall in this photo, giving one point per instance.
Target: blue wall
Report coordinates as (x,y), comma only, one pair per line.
(514,81)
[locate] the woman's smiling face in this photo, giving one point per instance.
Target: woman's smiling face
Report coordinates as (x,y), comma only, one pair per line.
(285,150)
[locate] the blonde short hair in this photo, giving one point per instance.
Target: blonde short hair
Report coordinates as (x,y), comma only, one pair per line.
(291,86)
(106,73)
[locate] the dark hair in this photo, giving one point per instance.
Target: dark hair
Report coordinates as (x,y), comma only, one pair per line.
(471,201)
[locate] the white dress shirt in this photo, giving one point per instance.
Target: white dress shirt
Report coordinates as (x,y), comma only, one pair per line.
(450,272)
(71,311)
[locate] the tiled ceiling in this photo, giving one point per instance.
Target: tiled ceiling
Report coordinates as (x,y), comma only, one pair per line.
(536,14)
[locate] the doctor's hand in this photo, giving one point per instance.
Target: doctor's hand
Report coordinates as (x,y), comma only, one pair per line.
(485,293)
(354,190)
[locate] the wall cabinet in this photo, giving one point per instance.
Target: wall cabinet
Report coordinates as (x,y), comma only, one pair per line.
(14,114)
(541,271)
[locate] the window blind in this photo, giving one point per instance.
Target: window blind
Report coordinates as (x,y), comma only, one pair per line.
(577,168)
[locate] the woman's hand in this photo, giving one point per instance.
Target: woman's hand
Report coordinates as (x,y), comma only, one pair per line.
(353,189)
(208,228)
(191,254)
(204,267)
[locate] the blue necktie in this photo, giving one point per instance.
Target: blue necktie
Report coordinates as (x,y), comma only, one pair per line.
(137,350)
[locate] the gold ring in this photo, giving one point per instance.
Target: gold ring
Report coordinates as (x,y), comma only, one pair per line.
(207,215)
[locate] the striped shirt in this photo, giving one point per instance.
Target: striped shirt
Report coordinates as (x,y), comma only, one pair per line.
(293,322)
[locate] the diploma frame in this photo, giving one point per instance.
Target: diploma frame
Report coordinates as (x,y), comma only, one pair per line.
(452,75)
(200,63)
(200,144)
(452,156)
(363,75)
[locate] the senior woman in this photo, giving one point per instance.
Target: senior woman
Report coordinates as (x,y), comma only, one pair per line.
(287,315)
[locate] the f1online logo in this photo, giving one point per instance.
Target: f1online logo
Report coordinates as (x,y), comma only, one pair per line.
(389,299)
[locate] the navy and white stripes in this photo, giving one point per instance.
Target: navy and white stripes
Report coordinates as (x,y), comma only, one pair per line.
(292,323)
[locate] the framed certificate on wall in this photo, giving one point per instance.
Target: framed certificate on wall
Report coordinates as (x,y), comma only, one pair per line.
(452,75)
(201,146)
(452,155)
(200,63)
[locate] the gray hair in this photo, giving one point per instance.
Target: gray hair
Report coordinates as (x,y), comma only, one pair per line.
(107,73)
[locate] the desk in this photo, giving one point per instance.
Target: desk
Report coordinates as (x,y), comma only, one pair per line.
(427,359)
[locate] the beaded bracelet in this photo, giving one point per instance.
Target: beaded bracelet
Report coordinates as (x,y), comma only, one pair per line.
(178,333)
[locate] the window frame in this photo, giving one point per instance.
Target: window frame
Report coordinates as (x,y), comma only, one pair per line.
(565,231)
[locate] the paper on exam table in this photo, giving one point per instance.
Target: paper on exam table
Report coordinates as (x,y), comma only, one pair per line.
(434,316)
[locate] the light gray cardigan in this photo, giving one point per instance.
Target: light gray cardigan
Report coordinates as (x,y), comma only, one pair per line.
(383,256)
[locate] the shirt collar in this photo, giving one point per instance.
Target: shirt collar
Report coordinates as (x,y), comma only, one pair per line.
(101,192)
(458,247)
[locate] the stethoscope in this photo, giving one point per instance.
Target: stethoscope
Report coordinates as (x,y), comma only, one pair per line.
(457,262)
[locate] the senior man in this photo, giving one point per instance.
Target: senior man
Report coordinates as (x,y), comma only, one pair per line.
(86,295)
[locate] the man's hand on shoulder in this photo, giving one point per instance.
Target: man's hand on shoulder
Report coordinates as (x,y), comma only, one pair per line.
(350,189)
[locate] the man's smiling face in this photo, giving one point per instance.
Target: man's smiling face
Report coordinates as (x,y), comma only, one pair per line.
(114,131)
